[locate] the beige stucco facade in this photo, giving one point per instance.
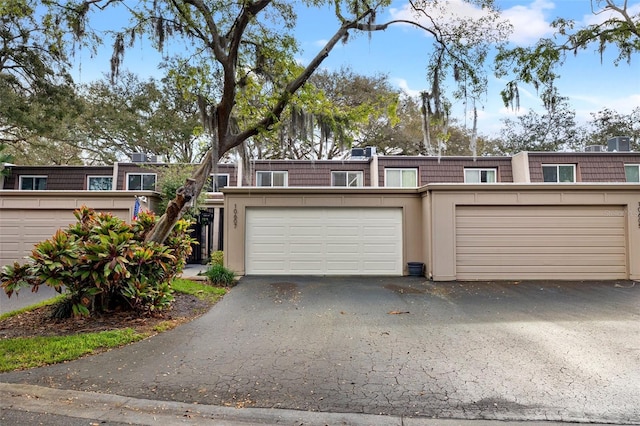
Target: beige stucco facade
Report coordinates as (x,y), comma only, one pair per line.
(459,231)
(237,200)
(614,202)
(431,218)
(28,217)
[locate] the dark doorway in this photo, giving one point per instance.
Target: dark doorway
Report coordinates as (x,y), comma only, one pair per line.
(201,232)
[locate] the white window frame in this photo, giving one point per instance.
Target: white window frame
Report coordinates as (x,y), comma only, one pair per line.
(479,172)
(401,171)
(215,187)
(557,166)
(32,177)
(99,177)
(285,175)
(352,178)
(155,181)
(637,167)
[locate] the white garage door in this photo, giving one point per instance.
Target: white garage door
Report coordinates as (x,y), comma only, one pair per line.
(540,242)
(324,241)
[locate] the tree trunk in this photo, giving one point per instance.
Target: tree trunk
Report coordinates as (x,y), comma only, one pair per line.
(184,195)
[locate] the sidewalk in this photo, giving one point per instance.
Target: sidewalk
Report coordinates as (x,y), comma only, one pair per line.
(194,272)
(46,405)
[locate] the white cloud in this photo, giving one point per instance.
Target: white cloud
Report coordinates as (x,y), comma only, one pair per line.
(529,22)
(403,85)
(623,104)
(460,9)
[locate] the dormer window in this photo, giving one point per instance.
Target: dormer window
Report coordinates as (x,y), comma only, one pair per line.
(559,173)
(480,175)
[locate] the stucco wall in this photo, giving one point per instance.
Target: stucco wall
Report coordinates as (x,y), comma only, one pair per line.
(445,198)
(238,199)
(27,217)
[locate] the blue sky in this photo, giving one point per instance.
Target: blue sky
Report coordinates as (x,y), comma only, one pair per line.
(400,53)
(590,85)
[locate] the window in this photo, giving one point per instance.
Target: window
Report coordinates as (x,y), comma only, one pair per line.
(480,175)
(99,183)
(632,171)
(346,178)
(403,178)
(222,180)
(559,173)
(33,183)
(271,178)
(141,181)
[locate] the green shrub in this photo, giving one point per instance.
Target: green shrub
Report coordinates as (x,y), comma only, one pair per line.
(217,258)
(221,276)
(102,263)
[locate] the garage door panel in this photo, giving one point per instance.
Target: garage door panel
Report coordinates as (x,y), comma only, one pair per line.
(342,232)
(539,241)
(271,247)
(542,249)
(378,267)
(510,231)
(557,270)
(506,260)
(540,211)
(532,242)
(303,248)
(375,250)
(325,241)
(341,249)
(300,267)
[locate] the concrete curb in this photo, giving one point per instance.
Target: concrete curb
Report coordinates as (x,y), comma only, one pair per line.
(104,408)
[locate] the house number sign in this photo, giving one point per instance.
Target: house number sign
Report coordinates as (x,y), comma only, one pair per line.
(235,215)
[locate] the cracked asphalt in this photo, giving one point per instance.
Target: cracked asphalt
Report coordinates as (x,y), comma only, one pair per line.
(558,351)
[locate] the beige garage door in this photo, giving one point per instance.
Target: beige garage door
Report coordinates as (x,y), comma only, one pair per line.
(21,229)
(540,242)
(324,241)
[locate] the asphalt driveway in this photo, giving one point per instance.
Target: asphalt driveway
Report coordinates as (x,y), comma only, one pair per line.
(403,346)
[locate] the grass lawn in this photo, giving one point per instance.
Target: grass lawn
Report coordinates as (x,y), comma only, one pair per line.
(29,352)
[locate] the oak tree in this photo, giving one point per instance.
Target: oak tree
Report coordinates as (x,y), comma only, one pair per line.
(228,54)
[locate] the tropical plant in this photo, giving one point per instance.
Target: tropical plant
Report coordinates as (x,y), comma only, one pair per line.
(217,258)
(102,263)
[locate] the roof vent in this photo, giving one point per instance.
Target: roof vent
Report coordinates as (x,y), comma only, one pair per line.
(594,148)
(138,157)
(362,153)
(357,153)
(619,144)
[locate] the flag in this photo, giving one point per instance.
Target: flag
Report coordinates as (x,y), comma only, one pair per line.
(136,209)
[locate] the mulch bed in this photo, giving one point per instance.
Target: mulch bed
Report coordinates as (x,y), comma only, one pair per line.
(38,322)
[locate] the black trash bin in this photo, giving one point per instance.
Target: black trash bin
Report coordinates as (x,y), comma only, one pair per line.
(416,269)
